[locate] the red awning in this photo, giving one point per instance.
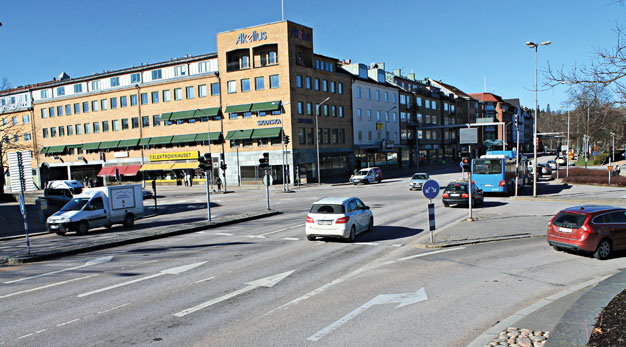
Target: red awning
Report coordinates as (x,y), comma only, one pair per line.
(107,171)
(130,170)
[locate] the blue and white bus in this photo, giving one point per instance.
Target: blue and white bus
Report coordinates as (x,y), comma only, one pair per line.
(494,172)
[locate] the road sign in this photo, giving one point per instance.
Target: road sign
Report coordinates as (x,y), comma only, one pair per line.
(610,167)
(22,207)
(595,154)
(468,136)
(268,180)
(430,189)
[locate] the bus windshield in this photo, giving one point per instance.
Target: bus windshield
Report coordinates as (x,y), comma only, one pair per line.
(487,166)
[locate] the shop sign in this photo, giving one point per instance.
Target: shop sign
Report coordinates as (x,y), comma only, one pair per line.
(174,156)
(268,122)
(120,155)
(254,36)
(379,126)
(295,32)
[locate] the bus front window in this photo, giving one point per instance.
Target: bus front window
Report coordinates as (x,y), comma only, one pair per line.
(487,166)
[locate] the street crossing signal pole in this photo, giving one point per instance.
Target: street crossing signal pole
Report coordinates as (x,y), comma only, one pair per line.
(264,163)
(469,185)
(20,165)
(205,164)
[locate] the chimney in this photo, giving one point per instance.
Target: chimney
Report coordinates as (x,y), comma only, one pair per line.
(381,66)
(411,76)
(397,72)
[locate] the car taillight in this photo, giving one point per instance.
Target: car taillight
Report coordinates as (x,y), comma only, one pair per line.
(465,196)
(587,230)
(342,220)
(309,220)
(473,182)
(445,195)
(502,183)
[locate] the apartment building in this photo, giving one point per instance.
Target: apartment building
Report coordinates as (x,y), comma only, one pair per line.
(495,110)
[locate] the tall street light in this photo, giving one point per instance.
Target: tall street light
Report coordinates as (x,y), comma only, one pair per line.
(535,46)
(317,140)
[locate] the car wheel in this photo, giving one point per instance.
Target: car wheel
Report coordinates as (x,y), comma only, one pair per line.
(379,180)
(61,233)
(446,205)
(83,227)
(604,250)
(310,237)
(129,220)
(370,226)
(108,226)
(352,235)
(557,248)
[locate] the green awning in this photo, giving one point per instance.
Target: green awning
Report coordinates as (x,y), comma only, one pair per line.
(184,138)
(44,150)
(109,144)
(166,116)
(128,143)
(180,115)
(56,149)
(161,140)
(208,112)
(145,141)
(91,146)
(238,108)
(204,136)
(74,146)
(239,134)
(266,133)
(266,106)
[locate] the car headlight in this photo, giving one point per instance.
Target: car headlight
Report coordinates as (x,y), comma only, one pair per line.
(59,220)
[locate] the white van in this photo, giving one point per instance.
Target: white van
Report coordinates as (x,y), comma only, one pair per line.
(60,192)
(95,207)
(367,175)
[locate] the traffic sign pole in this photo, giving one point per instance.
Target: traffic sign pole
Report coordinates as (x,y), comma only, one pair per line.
(430,189)
(20,165)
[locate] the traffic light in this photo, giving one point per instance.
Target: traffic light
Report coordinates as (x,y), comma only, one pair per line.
(223,166)
(204,161)
(264,161)
(466,160)
(286,139)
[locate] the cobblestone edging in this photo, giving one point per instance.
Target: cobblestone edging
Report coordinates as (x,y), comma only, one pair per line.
(514,337)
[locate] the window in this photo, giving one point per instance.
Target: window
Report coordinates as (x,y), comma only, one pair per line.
(123,101)
(340,111)
(85,106)
(418,101)
(115,124)
(26,136)
(301,136)
(378,116)
(202,67)
(369,114)
(14,119)
(87,128)
(70,130)
(360,135)
(135,78)
(386,96)
(310,136)
(115,81)
(180,70)
(155,97)
(271,57)
(190,92)
(178,94)
(325,111)
(333,111)
(43,94)
(105,126)
(104,104)
(259,83)
(79,129)
(78,88)
(202,91)
(95,85)
(124,123)
(59,111)
(144,98)
(340,88)
(156,74)
(274,81)
(386,116)
(95,106)
(166,95)
(378,95)
(308,82)
(368,94)
(309,108)
(358,92)
(25,119)
(156,120)
(402,99)
(44,132)
(358,113)
(427,103)
(215,88)
(434,105)
(76,108)
(145,121)
(96,127)
(393,98)
(245,62)
(53,132)
(317,84)
(232,86)
(60,91)
(134,122)
(300,107)
(133,100)
(325,85)
(51,111)
(113,103)
(299,81)
(332,86)
(245,85)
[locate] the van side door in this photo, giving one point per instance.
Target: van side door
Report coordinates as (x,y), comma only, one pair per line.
(96,213)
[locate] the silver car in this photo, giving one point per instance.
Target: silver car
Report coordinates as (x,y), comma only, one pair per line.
(418,180)
(339,217)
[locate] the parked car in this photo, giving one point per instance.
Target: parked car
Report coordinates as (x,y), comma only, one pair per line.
(418,180)
(457,193)
(552,164)
(561,161)
(58,193)
(338,217)
(589,228)
(544,170)
(147,194)
(367,175)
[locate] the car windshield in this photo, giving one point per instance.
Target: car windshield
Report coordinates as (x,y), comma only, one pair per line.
(569,220)
(419,177)
(76,191)
(456,187)
(75,204)
(487,166)
(327,208)
(363,172)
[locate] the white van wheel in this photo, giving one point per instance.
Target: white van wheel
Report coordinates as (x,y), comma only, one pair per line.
(83,227)
(129,220)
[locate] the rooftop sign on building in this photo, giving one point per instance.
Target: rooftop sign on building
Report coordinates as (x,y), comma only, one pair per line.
(254,36)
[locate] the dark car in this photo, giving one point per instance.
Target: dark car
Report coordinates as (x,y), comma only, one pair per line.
(457,193)
(589,228)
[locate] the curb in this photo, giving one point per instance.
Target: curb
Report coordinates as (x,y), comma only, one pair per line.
(138,236)
(570,200)
(454,243)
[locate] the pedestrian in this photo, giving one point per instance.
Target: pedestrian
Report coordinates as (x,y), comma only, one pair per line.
(617,169)
(86,182)
(185,179)
(218,181)
(191,180)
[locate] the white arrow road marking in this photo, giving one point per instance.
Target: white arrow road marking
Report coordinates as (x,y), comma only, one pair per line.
(400,299)
(46,286)
(173,271)
(89,263)
(267,282)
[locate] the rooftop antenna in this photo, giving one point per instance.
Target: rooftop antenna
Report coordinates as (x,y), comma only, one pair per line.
(485,83)
(282,9)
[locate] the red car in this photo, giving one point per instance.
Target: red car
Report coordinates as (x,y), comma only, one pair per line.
(597,229)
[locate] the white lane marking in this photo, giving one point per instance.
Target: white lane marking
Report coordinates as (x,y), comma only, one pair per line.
(206,279)
(66,323)
(172,271)
(290,238)
(366,243)
(201,232)
(21,337)
(356,272)
(114,308)
(400,299)
(255,236)
(88,263)
(40,331)
(267,282)
(46,286)
(222,234)
(284,229)
(396,245)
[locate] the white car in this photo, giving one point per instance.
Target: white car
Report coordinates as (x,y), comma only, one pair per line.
(338,217)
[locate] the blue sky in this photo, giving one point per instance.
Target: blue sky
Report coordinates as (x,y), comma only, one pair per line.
(462,43)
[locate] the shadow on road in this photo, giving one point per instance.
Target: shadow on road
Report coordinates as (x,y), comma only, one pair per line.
(485,204)
(387,232)
(544,189)
(174,248)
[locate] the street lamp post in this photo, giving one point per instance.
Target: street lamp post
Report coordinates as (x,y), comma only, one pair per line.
(535,46)
(284,149)
(567,151)
(317,141)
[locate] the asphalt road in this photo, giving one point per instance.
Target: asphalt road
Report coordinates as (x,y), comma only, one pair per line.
(261,283)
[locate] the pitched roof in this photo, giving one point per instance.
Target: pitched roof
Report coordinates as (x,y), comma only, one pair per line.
(486,97)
